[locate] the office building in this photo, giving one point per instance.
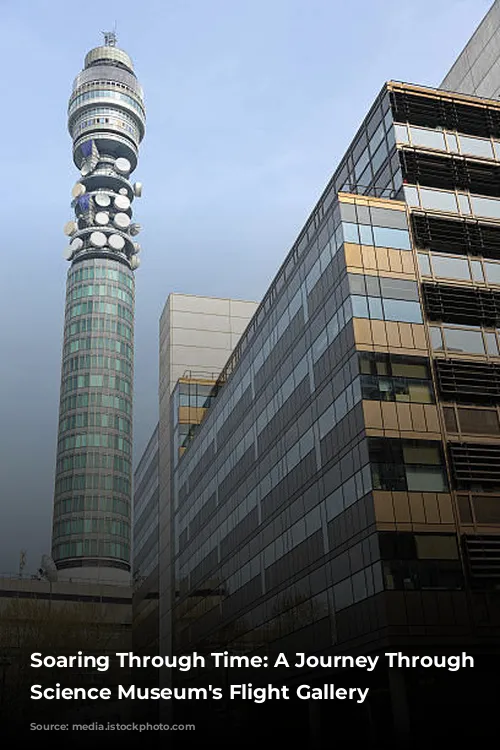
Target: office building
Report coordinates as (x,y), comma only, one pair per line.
(92,501)
(197,336)
(476,70)
(342,492)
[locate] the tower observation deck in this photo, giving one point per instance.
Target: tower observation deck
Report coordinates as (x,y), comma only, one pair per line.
(92,498)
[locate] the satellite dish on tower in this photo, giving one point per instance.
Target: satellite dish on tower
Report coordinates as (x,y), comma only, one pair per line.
(116,242)
(122,165)
(102,200)
(102,218)
(123,191)
(70,228)
(135,229)
(138,189)
(135,262)
(121,221)
(76,245)
(98,239)
(122,202)
(78,190)
(137,248)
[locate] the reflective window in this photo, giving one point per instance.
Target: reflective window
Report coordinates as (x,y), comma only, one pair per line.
(436,338)
(458,340)
(388,237)
(360,307)
(487,207)
(475,146)
(438,200)
(402,310)
(393,378)
(477,270)
(463,203)
(429,138)
(452,141)
(401,133)
(407,465)
(424,263)
(492,271)
(411,196)
(398,239)
(351,233)
(365,234)
(398,288)
(452,268)
(361,163)
(491,344)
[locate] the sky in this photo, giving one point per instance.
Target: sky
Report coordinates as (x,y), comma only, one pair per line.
(250,106)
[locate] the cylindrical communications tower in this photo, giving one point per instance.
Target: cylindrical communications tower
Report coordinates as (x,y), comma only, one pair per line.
(92,500)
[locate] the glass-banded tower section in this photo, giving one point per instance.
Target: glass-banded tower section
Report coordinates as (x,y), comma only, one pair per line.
(92,500)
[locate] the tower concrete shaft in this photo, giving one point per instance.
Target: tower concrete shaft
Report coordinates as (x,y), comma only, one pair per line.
(92,498)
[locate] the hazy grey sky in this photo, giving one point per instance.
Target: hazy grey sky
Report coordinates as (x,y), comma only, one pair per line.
(250,103)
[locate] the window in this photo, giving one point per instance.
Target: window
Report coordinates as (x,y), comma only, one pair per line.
(487,207)
(440,201)
(492,272)
(401,133)
(402,310)
(411,196)
(452,268)
(406,465)
(425,137)
(458,340)
(428,138)
(476,147)
(393,238)
(425,265)
(389,378)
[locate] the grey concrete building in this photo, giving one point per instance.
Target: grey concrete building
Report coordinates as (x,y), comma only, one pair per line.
(197,337)
(93,484)
(477,69)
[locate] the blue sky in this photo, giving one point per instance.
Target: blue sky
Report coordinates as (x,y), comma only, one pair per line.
(250,106)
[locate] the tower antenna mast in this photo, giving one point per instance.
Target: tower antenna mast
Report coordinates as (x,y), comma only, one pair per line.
(110,37)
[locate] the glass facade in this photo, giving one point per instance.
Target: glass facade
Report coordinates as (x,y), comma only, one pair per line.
(330,498)
(94,449)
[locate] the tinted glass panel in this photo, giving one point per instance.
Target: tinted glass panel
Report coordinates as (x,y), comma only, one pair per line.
(438,200)
(436,547)
(477,270)
(475,146)
(464,341)
(424,263)
(453,268)
(406,312)
(388,237)
(429,138)
(491,344)
(485,207)
(351,233)
(401,133)
(452,142)
(398,289)
(411,196)
(492,271)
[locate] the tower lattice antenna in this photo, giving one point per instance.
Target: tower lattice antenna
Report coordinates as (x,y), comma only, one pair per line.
(110,38)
